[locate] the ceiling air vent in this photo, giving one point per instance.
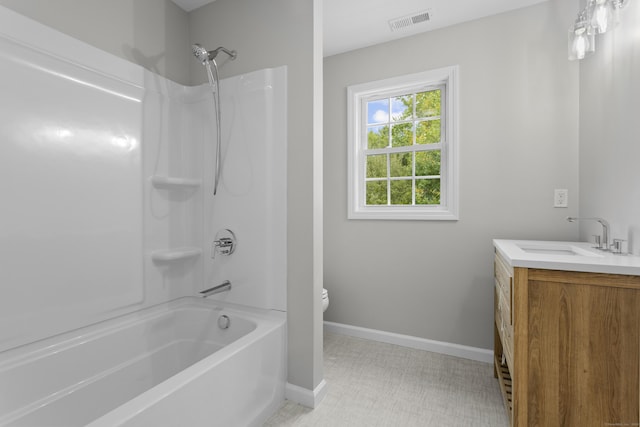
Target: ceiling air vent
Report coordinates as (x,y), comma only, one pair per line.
(410,20)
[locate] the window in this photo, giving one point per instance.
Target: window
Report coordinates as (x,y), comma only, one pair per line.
(403,147)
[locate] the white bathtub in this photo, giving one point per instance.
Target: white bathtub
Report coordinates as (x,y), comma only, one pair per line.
(169,365)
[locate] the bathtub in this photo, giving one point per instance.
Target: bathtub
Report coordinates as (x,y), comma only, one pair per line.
(168,365)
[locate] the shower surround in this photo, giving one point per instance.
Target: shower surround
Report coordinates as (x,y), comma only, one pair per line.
(107,177)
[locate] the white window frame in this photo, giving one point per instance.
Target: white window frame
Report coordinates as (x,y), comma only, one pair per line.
(357,143)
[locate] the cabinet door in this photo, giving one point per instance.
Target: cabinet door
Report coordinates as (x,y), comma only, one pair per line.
(583,351)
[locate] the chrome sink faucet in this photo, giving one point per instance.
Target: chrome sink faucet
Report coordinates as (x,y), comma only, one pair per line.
(603,244)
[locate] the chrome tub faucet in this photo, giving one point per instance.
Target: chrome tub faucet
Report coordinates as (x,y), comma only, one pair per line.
(222,287)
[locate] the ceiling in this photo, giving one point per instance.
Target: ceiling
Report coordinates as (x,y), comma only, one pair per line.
(190,5)
(352,24)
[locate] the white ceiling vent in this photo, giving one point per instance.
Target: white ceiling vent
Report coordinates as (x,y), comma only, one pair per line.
(410,20)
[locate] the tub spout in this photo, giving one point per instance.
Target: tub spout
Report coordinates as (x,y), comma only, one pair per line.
(224,286)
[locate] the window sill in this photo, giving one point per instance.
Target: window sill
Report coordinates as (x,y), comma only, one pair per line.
(397,213)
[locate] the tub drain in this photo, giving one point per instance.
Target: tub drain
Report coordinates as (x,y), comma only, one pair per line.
(224,321)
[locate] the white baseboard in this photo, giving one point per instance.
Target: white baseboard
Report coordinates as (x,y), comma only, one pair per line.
(463,351)
(304,396)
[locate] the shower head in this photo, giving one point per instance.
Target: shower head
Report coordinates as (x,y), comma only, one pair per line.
(200,53)
(205,56)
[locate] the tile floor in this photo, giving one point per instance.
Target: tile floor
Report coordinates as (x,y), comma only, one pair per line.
(377,384)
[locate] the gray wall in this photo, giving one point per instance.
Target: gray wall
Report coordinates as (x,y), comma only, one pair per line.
(518,141)
(610,130)
(269,34)
(150,33)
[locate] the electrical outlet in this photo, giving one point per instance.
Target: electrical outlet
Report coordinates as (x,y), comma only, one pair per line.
(561,198)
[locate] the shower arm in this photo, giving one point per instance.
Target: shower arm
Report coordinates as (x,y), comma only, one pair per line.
(232,53)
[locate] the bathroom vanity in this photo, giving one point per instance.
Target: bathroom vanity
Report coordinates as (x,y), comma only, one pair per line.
(567,334)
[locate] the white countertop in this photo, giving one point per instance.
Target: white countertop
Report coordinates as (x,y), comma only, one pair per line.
(569,256)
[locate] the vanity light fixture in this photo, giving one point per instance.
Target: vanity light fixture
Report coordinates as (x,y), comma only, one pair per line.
(597,17)
(581,39)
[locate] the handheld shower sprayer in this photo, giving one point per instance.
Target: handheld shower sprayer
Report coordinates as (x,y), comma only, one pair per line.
(207,59)
(200,53)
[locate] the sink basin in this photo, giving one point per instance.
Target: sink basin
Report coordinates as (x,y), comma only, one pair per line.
(550,248)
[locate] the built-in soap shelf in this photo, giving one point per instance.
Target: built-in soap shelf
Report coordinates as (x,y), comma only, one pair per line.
(177,254)
(175,183)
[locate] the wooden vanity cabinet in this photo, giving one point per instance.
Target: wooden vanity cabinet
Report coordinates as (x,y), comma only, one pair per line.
(567,346)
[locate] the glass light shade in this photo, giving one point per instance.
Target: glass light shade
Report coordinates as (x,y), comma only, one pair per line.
(580,42)
(601,16)
(616,5)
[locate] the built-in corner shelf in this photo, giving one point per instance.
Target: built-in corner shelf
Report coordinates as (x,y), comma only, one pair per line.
(174,183)
(177,254)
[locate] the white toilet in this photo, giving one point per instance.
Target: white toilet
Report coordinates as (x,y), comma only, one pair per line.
(325,299)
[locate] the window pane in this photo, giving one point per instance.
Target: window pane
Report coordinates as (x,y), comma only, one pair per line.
(428,191)
(378,111)
(400,164)
(377,166)
(427,163)
(377,137)
(401,192)
(402,107)
(402,135)
(428,132)
(377,193)
(428,103)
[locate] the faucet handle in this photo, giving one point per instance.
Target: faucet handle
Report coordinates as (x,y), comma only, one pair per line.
(598,241)
(617,246)
(224,243)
